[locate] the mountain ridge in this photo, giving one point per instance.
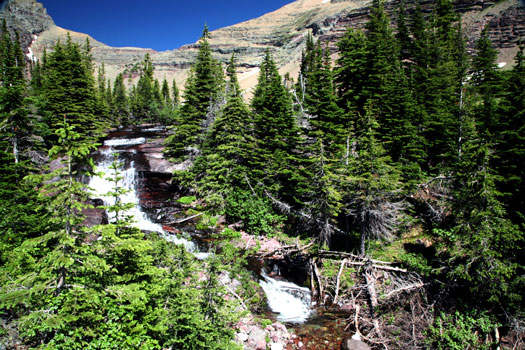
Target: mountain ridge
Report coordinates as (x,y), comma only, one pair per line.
(282,31)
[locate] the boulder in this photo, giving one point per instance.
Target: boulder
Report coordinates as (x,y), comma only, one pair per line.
(354,344)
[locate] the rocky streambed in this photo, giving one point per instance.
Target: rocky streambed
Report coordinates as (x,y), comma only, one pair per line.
(295,321)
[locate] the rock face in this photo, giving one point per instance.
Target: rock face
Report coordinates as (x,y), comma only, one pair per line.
(27,17)
(282,31)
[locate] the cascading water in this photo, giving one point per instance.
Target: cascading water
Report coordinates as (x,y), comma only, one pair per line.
(290,301)
(101,185)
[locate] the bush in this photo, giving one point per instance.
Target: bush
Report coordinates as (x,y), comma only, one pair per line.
(461,331)
(255,213)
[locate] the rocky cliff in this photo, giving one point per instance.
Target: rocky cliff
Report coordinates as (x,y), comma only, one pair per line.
(282,31)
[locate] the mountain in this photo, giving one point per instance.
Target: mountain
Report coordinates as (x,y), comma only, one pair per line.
(282,31)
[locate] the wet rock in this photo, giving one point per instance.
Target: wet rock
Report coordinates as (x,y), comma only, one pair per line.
(354,344)
(95,216)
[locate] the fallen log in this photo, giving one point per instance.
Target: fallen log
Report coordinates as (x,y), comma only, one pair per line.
(180,221)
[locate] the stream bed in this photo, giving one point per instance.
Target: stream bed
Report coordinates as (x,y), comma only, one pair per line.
(147,177)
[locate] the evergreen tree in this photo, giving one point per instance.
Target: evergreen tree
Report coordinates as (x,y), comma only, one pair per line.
(120,100)
(324,196)
(14,121)
(351,71)
(166,98)
(373,185)
(274,127)
(224,165)
(319,99)
(176,93)
(486,83)
(146,98)
(203,85)
(511,152)
(69,89)
(403,33)
(484,252)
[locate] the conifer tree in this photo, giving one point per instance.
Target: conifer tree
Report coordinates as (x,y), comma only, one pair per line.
(120,100)
(486,83)
(373,183)
(319,99)
(224,165)
(203,85)
(351,71)
(175,93)
(14,121)
(69,89)
(484,253)
(510,150)
(166,98)
(146,98)
(274,127)
(324,195)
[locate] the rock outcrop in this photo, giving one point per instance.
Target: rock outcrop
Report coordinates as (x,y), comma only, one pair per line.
(282,31)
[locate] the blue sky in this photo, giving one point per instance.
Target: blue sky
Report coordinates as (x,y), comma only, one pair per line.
(157,24)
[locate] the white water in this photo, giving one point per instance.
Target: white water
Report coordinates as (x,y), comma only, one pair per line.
(290,301)
(125,142)
(101,185)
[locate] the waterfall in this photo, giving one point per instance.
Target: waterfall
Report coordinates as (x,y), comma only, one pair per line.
(290,301)
(101,186)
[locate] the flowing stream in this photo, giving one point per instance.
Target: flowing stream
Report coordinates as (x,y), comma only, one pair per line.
(290,302)
(101,185)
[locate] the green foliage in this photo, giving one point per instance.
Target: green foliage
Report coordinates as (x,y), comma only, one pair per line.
(68,89)
(461,331)
(255,213)
(186,200)
(203,87)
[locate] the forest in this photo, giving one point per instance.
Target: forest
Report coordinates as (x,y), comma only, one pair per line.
(405,148)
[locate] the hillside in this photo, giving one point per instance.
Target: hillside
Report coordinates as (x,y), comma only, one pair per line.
(282,31)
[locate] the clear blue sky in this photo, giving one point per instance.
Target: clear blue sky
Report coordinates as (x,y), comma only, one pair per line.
(157,24)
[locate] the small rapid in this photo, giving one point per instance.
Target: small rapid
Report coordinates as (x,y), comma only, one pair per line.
(291,302)
(101,185)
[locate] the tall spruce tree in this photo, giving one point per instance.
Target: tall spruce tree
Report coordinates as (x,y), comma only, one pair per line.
(511,152)
(274,127)
(120,101)
(203,85)
(69,89)
(372,196)
(14,120)
(223,168)
(484,255)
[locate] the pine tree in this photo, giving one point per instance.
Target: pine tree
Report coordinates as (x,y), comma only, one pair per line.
(486,83)
(403,34)
(69,89)
(224,165)
(274,127)
(166,98)
(319,98)
(485,251)
(203,85)
(147,96)
(176,93)
(120,100)
(13,111)
(373,183)
(324,195)
(351,71)
(510,150)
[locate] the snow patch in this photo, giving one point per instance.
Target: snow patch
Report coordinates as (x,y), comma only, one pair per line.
(502,64)
(30,54)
